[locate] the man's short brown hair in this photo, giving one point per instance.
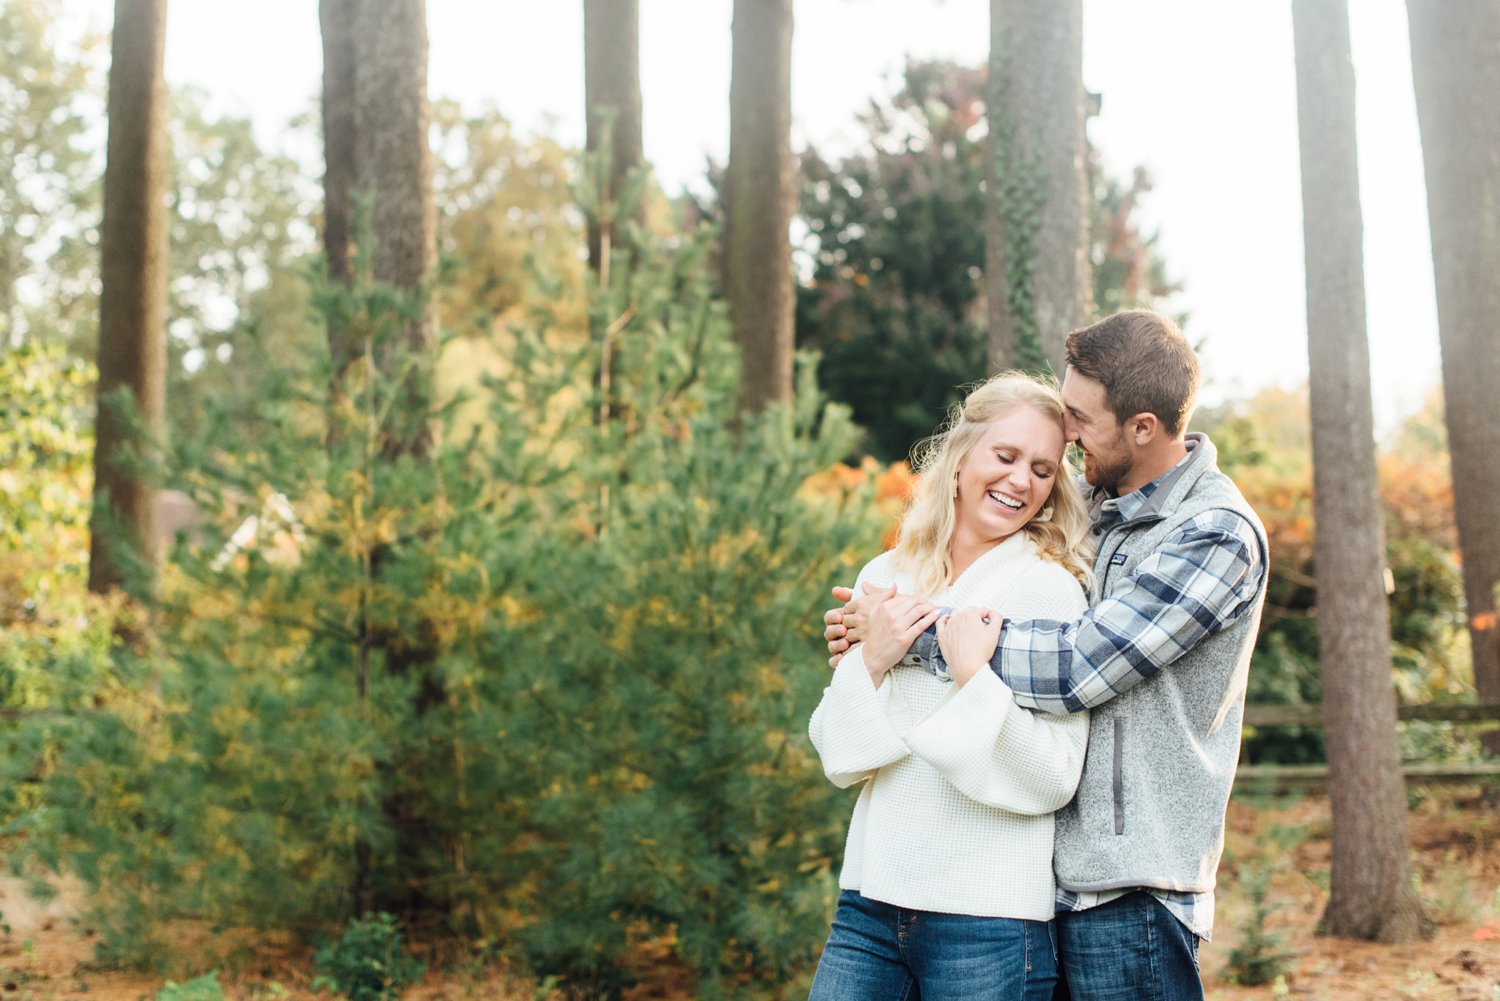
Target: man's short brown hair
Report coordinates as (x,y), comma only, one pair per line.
(1144,364)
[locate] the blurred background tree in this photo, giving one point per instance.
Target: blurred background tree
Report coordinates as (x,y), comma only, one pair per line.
(893,293)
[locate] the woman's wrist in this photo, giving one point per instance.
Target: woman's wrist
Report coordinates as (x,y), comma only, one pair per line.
(963,671)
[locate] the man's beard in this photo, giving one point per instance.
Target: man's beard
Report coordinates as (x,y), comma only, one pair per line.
(1108,471)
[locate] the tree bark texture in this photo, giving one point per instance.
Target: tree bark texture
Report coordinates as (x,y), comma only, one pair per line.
(1036,218)
(1371,895)
(612,83)
(340,172)
(761,195)
(394,172)
(1455,58)
(133,293)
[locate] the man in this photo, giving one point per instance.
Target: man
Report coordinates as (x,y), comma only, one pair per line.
(1160,659)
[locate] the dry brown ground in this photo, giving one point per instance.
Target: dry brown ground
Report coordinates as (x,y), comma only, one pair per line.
(1456,838)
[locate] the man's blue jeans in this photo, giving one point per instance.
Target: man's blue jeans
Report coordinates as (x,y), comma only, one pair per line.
(879,952)
(1130,949)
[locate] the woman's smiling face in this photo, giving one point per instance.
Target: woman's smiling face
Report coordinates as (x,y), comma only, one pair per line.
(1008,476)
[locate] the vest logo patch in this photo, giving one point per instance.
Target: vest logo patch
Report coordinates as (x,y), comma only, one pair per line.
(1117,560)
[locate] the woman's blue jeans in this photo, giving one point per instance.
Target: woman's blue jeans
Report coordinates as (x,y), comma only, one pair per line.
(879,952)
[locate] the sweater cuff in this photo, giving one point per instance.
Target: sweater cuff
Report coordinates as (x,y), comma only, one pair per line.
(958,735)
(868,720)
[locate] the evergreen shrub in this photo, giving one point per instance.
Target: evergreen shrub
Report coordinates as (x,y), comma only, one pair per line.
(369,962)
(544,682)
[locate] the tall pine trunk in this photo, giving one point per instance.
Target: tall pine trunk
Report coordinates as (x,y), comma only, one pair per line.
(133,294)
(1371,895)
(612,87)
(393,165)
(340,172)
(1036,217)
(760,194)
(1455,61)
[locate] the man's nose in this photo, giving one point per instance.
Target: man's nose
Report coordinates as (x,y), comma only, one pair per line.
(1070,427)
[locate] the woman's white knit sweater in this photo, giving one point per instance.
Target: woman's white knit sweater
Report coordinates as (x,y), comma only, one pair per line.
(960,782)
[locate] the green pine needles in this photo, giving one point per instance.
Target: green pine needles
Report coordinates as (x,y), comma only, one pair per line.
(543,683)
(369,962)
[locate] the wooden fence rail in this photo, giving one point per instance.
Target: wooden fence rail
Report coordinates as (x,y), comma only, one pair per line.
(1311,714)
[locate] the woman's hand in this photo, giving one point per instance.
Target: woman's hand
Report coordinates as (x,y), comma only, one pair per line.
(968,639)
(894,625)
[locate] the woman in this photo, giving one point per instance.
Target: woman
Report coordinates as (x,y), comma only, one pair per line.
(947,879)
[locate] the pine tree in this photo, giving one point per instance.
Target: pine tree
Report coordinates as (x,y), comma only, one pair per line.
(1371,893)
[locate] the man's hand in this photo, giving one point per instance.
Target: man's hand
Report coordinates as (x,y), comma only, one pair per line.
(847,625)
(968,639)
(833,626)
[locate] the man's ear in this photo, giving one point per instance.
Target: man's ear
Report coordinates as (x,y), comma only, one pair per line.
(1143,428)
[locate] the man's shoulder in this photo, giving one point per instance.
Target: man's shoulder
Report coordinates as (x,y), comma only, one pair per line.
(1215,498)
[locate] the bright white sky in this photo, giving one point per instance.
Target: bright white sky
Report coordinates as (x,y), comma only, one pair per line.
(1200,91)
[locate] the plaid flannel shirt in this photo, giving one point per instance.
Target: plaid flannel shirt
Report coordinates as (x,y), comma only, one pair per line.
(1203,578)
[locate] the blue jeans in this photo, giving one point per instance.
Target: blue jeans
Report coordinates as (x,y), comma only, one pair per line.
(879,952)
(1130,949)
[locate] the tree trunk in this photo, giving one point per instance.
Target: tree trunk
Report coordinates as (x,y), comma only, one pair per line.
(133,293)
(394,171)
(393,175)
(612,85)
(1036,217)
(340,172)
(1371,895)
(760,195)
(1455,61)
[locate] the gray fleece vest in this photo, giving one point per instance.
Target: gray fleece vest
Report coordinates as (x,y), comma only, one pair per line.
(1161,757)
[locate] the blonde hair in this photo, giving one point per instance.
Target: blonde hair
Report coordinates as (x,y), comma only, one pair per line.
(922,548)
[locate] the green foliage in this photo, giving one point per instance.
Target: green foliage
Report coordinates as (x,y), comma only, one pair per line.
(369,962)
(1261,956)
(548,680)
(897,245)
(204,988)
(1263,443)
(50,100)
(46,455)
(506,213)
(896,250)
(240,241)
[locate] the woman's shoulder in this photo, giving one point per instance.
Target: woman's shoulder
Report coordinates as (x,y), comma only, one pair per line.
(880,572)
(1048,584)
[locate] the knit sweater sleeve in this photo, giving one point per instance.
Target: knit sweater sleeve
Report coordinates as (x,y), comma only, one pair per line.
(991,749)
(857,727)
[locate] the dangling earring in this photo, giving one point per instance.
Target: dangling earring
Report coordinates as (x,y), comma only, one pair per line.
(1045,514)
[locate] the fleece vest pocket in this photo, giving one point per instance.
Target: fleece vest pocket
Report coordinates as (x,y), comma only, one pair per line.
(1117,777)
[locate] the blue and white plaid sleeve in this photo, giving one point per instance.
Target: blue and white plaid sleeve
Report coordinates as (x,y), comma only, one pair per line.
(1202,579)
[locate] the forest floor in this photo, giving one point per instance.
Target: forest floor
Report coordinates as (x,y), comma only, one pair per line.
(46,955)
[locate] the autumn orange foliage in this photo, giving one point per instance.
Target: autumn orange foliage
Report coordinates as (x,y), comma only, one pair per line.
(892,485)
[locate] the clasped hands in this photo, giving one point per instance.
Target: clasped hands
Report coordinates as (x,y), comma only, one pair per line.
(888,623)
